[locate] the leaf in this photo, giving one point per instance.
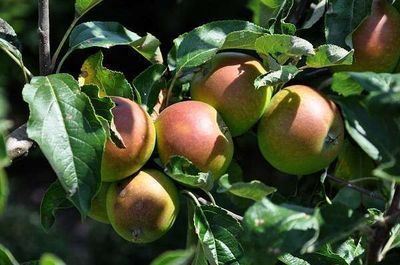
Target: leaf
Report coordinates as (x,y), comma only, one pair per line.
(109,34)
(342,18)
(277,25)
(183,171)
(242,39)
(64,124)
(329,55)
(6,258)
(149,83)
(111,83)
(289,259)
(218,233)
(254,190)
(83,6)
(50,259)
(103,108)
(176,257)
(4,190)
(317,14)
(282,47)
(201,44)
(278,78)
(262,11)
(53,200)
(273,230)
(349,197)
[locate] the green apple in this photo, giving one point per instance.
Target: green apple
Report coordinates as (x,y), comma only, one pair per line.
(301,131)
(138,134)
(98,211)
(227,84)
(194,129)
(143,207)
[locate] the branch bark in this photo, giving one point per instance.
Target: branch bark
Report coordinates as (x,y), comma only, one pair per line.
(44,37)
(381,233)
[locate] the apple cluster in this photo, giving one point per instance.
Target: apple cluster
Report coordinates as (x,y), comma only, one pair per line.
(300,131)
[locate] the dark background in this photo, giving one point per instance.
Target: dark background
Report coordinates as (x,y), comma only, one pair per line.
(87,242)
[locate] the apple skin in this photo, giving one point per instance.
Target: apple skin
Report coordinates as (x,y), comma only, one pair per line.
(98,210)
(376,41)
(301,131)
(227,84)
(143,207)
(138,133)
(194,129)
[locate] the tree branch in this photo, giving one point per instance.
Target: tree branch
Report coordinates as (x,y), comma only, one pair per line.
(18,144)
(44,37)
(382,229)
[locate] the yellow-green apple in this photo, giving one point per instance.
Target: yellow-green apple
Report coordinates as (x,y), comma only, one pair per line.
(227,84)
(301,131)
(143,207)
(195,130)
(138,134)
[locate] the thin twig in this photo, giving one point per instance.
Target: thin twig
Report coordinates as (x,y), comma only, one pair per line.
(382,230)
(44,37)
(355,187)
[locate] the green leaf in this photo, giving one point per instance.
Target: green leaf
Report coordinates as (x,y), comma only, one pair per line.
(50,259)
(83,6)
(278,78)
(289,259)
(262,12)
(176,257)
(254,190)
(148,84)
(53,200)
(318,13)
(64,124)
(201,44)
(4,191)
(342,18)
(283,47)
(273,230)
(349,197)
(183,171)
(199,258)
(242,39)
(218,233)
(6,258)
(277,25)
(103,107)
(394,239)
(109,34)
(111,83)
(328,55)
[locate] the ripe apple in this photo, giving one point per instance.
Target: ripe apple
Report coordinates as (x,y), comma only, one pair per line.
(143,207)
(301,131)
(98,211)
(376,41)
(138,133)
(194,129)
(227,84)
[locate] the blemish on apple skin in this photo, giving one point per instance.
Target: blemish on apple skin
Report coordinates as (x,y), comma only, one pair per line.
(137,233)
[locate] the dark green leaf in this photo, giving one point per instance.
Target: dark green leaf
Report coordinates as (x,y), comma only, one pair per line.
(64,124)
(148,84)
(111,83)
(278,78)
(183,171)
(176,257)
(201,44)
(278,25)
(263,10)
(328,55)
(83,6)
(342,17)
(50,259)
(218,233)
(254,190)
(53,200)
(283,47)
(6,258)
(349,197)
(109,34)
(318,13)
(4,191)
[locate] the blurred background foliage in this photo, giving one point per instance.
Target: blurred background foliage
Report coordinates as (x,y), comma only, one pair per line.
(74,241)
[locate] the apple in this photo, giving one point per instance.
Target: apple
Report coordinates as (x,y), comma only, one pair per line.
(143,207)
(301,131)
(376,41)
(98,210)
(195,130)
(138,134)
(227,84)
